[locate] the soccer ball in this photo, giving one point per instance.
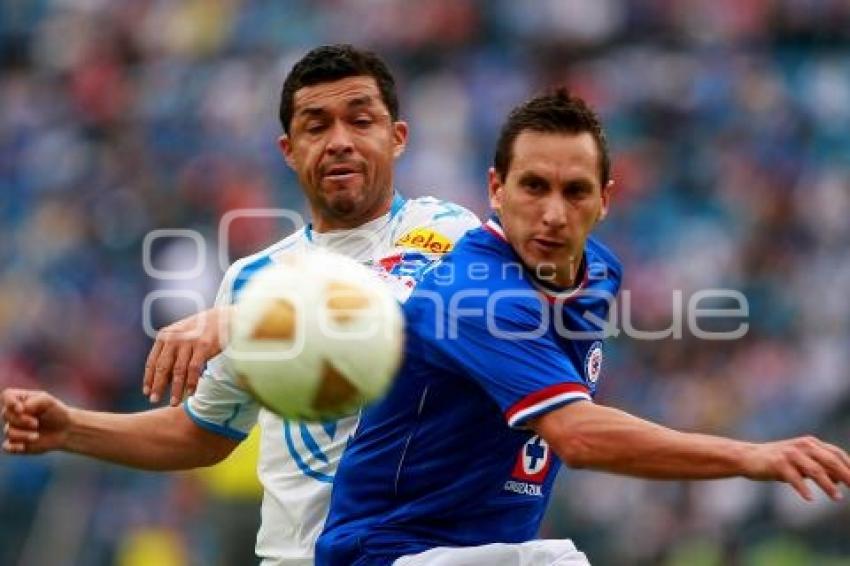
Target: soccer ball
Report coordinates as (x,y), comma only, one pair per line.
(315,336)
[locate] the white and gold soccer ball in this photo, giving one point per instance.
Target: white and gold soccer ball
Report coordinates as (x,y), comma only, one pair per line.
(315,336)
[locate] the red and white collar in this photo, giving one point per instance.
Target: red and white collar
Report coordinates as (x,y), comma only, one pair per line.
(493,226)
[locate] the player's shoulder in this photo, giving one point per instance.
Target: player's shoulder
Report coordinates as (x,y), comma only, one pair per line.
(432,207)
(599,253)
(484,264)
(481,245)
(431,225)
(241,270)
(428,213)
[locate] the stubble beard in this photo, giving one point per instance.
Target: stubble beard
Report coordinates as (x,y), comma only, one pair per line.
(352,208)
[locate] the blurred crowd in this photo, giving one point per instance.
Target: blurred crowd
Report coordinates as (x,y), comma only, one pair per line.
(729,123)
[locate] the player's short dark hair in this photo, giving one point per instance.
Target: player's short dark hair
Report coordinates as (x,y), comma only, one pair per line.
(329,63)
(556,112)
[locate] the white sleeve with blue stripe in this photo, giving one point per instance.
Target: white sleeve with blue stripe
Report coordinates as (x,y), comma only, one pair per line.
(219,404)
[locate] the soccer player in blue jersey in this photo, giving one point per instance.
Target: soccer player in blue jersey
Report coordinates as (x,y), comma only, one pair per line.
(503,358)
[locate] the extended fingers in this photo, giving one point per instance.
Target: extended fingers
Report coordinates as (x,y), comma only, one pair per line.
(842,456)
(172,357)
(196,366)
(162,370)
(833,459)
(813,469)
(150,366)
(791,474)
(181,366)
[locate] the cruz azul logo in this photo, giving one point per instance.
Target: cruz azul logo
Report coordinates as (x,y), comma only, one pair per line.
(532,464)
(593,362)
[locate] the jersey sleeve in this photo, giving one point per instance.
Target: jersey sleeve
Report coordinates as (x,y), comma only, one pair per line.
(511,355)
(219,404)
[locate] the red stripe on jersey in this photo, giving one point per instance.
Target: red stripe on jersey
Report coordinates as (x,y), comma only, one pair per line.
(544,395)
(495,229)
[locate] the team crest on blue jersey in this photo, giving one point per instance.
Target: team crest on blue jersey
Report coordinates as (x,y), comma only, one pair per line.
(533,460)
(593,362)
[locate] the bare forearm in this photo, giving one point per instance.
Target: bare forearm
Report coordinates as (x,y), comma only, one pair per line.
(607,439)
(160,439)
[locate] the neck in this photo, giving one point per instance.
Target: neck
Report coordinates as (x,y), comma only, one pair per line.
(571,274)
(326,221)
(565,276)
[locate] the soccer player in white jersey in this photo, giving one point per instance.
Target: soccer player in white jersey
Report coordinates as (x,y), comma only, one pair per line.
(342,134)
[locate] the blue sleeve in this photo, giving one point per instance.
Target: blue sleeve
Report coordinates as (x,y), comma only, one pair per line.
(507,349)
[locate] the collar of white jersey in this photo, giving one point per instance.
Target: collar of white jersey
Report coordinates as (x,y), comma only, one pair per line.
(398,203)
(553,293)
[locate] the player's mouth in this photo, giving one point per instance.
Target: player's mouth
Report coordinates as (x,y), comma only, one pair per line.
(341,173)
(548,245)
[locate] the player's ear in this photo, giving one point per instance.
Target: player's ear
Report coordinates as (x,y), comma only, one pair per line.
(399,137)
(285,145)
(495,189)
(606,200)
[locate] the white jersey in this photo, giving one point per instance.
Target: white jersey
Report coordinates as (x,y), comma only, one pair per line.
(298,460)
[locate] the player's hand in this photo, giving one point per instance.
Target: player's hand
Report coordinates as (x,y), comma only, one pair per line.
(35,421)
(796,459)
(180,351)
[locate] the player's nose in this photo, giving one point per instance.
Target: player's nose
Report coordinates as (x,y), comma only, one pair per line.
(554,214)
(339,139)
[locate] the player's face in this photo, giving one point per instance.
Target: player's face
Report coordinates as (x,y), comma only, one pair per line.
(342,144)
(550,200)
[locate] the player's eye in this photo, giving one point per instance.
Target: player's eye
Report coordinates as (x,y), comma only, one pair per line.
(534,185)
(362,122)
(315,126)
(578,190)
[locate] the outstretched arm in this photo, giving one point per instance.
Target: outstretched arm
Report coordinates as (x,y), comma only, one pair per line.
(587,435)
(160,439)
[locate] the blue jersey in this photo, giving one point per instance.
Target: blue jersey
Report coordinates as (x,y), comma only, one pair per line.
(446,458)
